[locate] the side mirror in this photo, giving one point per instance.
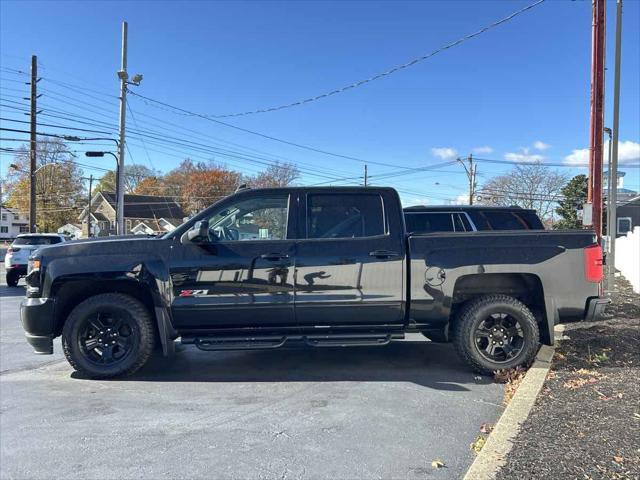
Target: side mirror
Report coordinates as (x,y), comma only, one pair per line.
(196,234)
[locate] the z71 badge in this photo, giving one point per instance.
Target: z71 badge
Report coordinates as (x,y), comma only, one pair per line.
(193,293)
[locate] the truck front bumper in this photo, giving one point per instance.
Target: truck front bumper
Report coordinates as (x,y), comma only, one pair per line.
(595,308)
(36,315)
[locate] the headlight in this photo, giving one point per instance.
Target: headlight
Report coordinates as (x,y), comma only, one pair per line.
(34,264)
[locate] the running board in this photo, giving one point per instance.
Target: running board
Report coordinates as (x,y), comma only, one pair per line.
(262,342)
(235,343)
(346,340)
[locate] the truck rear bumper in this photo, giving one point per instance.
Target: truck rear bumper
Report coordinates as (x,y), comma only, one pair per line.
(36,315)
(595,308)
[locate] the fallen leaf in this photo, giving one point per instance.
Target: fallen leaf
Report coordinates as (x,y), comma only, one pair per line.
(437,463)
(486,428)
(618,459)
(478,444)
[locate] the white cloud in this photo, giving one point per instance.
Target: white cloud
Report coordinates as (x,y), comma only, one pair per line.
(539,145)
(445,153)
(484,149)
(523,156)
(419,201)
(462,199)
(578,157)
(628,151)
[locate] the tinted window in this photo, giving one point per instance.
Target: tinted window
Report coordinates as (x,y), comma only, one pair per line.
(258,218)
(428,222)
(344,216)
(457,222)
(37,240)
(465,222)
(479,220)
(504,221)
(531,219)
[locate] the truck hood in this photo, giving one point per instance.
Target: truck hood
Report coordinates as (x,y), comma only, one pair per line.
(129,245)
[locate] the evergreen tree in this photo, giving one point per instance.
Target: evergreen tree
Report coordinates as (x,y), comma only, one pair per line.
(575,195)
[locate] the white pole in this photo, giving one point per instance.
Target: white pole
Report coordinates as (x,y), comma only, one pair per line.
(613,173)
(122,74)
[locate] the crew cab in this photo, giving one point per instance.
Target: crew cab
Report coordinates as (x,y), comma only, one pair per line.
(317,267)
(469,218)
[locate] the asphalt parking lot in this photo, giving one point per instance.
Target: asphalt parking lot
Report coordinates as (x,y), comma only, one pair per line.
(369,412)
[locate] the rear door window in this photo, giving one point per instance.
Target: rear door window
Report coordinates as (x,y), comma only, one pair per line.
(428,222)
(344,215)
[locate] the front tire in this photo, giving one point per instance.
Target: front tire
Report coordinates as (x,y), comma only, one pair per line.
(12,279)
(495,332)
(108,335)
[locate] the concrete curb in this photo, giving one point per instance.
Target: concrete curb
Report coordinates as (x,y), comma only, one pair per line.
(494,453)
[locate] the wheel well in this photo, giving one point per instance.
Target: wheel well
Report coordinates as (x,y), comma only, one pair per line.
(525,287)
(69,294)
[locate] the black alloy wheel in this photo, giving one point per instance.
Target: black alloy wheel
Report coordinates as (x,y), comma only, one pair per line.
(108,337)
(499,337)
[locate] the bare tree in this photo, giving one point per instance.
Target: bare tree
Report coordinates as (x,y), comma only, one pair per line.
(530,185)
(276,175)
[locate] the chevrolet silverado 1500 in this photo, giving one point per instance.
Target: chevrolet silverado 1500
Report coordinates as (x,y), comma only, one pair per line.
(319,267)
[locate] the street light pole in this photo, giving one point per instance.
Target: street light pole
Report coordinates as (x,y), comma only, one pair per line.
(119,215)
(123,76)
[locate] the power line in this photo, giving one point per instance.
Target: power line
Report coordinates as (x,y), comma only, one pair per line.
(388,72)
(263,135)
(546,164)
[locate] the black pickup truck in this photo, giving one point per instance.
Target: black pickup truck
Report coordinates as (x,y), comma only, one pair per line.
(319,267)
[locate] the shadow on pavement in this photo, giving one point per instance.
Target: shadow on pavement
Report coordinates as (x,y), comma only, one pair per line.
(420,362)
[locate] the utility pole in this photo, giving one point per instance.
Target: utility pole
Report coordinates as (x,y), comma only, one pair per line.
(33,160)
(124,77)
(124,82)
(594,186)
(613,170)
(366,175)
(89,207)
(471,171)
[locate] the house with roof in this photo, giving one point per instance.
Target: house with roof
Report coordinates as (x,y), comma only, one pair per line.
(143,214)
(12,223)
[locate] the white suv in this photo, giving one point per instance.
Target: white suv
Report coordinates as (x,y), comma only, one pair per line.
(17,257)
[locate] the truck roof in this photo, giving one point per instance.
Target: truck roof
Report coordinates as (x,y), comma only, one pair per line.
(461,208)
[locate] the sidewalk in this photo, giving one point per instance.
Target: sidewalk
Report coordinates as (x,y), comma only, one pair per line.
(586,421)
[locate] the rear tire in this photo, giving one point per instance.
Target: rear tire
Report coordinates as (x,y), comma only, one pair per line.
(12,278)
(108,335)
(495,332)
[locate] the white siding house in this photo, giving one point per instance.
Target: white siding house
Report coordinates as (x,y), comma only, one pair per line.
(12,223)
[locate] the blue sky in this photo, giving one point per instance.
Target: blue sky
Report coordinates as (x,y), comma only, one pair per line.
(519,90)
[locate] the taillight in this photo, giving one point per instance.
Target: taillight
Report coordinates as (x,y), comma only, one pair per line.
(593,263)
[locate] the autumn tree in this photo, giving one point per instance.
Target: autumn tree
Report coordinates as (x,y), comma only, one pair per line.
(195,185)
(276,175)
(574,195)
(528,185)
(59,184)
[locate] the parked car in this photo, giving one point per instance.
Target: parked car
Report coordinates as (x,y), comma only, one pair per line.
(469,218)
(17,256)
(320,267)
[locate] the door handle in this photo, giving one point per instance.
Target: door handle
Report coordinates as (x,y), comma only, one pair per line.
(383,254)
(274,256)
